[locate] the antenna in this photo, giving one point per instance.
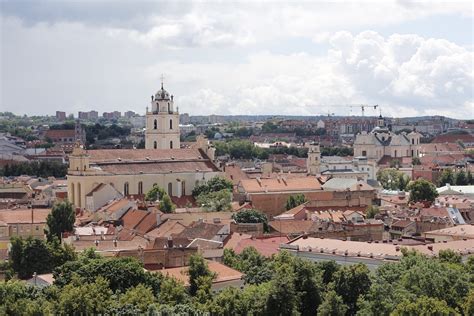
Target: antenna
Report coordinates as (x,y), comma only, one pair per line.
(162,79)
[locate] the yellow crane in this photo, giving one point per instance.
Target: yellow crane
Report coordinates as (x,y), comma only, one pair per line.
(363,106)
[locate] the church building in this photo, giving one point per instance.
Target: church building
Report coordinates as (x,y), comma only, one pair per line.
(381,141)
(135,171)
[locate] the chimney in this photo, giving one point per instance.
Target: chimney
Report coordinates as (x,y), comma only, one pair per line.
(170,242)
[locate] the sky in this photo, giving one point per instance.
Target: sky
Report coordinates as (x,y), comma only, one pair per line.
(234,58)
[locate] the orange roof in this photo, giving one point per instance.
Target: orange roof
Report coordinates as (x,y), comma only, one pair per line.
(280,185)
(223,273)
(265,246)
(107,155)
(147,223)
(168,228)
(60,133)
(133,217)
(293,226)
(23,216)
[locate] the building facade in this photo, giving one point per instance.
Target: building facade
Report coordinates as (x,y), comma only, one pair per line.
(162,122)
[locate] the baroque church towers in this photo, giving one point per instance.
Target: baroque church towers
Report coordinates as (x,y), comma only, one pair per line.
(162,122)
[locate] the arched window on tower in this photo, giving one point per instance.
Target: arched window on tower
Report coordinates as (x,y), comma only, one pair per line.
(140,187)
(155,124)
(125,188)
(169,108)
(155,144)
(171,124)
(171,144)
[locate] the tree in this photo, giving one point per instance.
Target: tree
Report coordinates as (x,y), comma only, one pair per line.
(215,201)
(416,161)
(295,200)
(156,193)
(215,184)
(282,297)
(449,256)
(60,220)
(469,178)
(392,179)
(332,305)
(139,296)
(371,211)
(251,216)
(172,292)
(446,177)
(166,205)
(422,190)
(198,268)
(461,178)
(351,282)
(423,306)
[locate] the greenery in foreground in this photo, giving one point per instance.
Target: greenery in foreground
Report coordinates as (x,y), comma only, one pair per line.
(280,285)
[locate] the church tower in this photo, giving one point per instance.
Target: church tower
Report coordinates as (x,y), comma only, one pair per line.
(314,159)
(162,122)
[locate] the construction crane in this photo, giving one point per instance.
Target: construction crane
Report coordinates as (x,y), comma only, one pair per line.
(363,106)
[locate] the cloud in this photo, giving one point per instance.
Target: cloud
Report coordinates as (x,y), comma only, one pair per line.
(239,58)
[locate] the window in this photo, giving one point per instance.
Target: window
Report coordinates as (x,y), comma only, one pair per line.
(125,188)
(169,108)
(183,187)
(155,144)
(171,124)
(364,153)
(171,144)
(170,189)
(140,187)
(413,141)
(155,124)
(395,153)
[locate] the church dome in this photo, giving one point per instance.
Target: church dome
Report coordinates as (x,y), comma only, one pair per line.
(162,94)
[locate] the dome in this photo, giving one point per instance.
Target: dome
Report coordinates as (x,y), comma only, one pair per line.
(162,94)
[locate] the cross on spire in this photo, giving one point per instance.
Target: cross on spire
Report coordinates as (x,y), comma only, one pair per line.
(162,79)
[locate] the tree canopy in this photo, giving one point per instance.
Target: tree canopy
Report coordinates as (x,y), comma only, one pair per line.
(392,179)
(422,190)
(60,220)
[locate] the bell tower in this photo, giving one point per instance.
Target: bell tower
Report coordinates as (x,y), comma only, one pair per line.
(313,161)
(162,122)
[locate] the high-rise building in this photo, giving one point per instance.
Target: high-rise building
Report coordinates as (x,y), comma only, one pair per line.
(60,115)
(83,115)
(93,115)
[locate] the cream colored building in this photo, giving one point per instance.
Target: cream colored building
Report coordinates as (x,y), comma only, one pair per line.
(382,142)
(135,171)
(162,122)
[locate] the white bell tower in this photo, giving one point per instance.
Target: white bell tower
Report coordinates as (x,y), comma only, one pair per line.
(313,162)
(162,122)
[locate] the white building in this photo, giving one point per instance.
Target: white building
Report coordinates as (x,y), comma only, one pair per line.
(162,122)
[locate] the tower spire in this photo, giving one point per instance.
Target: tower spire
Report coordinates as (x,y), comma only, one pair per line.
(162,79)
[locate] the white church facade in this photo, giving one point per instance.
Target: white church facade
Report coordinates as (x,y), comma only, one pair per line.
(135,171)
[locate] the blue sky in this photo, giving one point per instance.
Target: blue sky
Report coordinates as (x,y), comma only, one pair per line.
(268,57)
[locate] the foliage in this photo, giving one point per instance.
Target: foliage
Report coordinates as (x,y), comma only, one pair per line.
(172,292)
(166,205)
(446,177)
(332,305)
(100,132)
(32,255)
(256,267)
(251,216)
(215,184)
(423,306)
(198,270)
(43,169)
(60,220)
(416,161)
(392,179)
(337,151)
(156,193)
(139,296)
(422,190)
(351,282)
(121,273)
(215,201)
(294,201)
(371,211)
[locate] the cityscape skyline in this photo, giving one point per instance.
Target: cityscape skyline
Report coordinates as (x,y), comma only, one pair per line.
(262,59)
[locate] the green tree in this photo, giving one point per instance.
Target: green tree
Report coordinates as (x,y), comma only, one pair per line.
(166,205)
(295,200)
(371,211)
(468,305)
(422,190)
(332,305)
(172,292)
(215,184)
(351,282)
(156,193)
(60,220)
(255,267)
(392,179)
(469,178)
(282,297)
(449,256)
(446,177)
(198,268)
(139,296)
(416,161)
(251,216)
(215,201)
(78,298)
(423,306)
(461,178)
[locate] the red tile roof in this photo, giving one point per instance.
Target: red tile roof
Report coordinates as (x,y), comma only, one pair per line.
(265,246)
(23,216)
